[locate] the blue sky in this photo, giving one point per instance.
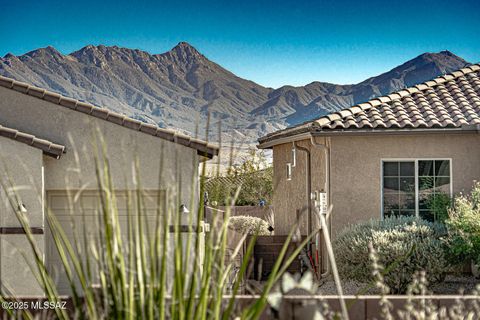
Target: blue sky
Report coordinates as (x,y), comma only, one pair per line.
(270,42)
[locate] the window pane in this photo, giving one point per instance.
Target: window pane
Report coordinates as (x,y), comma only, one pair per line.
(425,168)
(390,202)
(442,185)
(391,184)
(391,199)
(427,215)
(425,184)
(407,201)
(407,169)
(407,184)
(442,168)
(423,199)
(390,169)
(391,213)
(407,212)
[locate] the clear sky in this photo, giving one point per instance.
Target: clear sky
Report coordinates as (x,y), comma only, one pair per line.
(270,42)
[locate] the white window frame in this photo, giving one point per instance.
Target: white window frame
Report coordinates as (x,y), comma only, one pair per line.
(416,178)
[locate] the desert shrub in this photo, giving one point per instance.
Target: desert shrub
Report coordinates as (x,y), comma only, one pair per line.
(463,227)
(248,225)
(404,245)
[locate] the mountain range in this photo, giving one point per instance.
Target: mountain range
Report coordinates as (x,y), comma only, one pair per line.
(183,89)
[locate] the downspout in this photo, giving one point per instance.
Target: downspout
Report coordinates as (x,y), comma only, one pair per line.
(308,178)
(327,233)
(326,149)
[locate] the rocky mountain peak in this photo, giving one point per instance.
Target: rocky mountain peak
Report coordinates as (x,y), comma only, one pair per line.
(97,55)
(44,52)
(185,47)
(9,56)
(185,53)
(87,50)
(443,60)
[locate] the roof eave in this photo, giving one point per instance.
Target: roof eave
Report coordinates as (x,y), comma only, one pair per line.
(47,147)
(268,144)
(207,154)
(395,131)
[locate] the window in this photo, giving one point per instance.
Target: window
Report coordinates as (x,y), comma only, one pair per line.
(433,179)
(409,185)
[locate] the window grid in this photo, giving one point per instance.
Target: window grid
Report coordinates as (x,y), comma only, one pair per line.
(436,174)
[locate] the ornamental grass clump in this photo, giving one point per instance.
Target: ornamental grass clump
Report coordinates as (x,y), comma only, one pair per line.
(404,245)
(162,268)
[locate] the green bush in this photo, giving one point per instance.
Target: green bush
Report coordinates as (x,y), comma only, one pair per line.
(249,225)
(464,227)
(439,204)
(404,245)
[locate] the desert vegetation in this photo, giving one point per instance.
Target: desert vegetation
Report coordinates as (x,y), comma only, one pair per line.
(156,273)
(464,228)
(252,177)
(167,274)
(404,245)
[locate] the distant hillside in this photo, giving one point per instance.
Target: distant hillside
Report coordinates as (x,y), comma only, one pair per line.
(299,104)
(179,88)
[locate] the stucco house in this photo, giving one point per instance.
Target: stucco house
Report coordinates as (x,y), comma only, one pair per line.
(384,157)
(46,149)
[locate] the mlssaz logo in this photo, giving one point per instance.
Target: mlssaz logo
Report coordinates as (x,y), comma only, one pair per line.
(45,305)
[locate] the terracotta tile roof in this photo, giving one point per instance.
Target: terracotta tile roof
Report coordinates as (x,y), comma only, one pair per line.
(203,148)
(449,101)
(48,148)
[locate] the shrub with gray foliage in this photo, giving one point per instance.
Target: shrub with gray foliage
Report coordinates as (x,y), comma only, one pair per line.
(404,245)
(248,225)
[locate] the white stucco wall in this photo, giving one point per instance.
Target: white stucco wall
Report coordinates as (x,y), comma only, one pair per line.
(22,165)
(163,165)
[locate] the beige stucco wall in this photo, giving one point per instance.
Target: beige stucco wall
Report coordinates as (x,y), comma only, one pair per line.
(163,165)
(22,165)
(356,168)
(290,196)
(356,172)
